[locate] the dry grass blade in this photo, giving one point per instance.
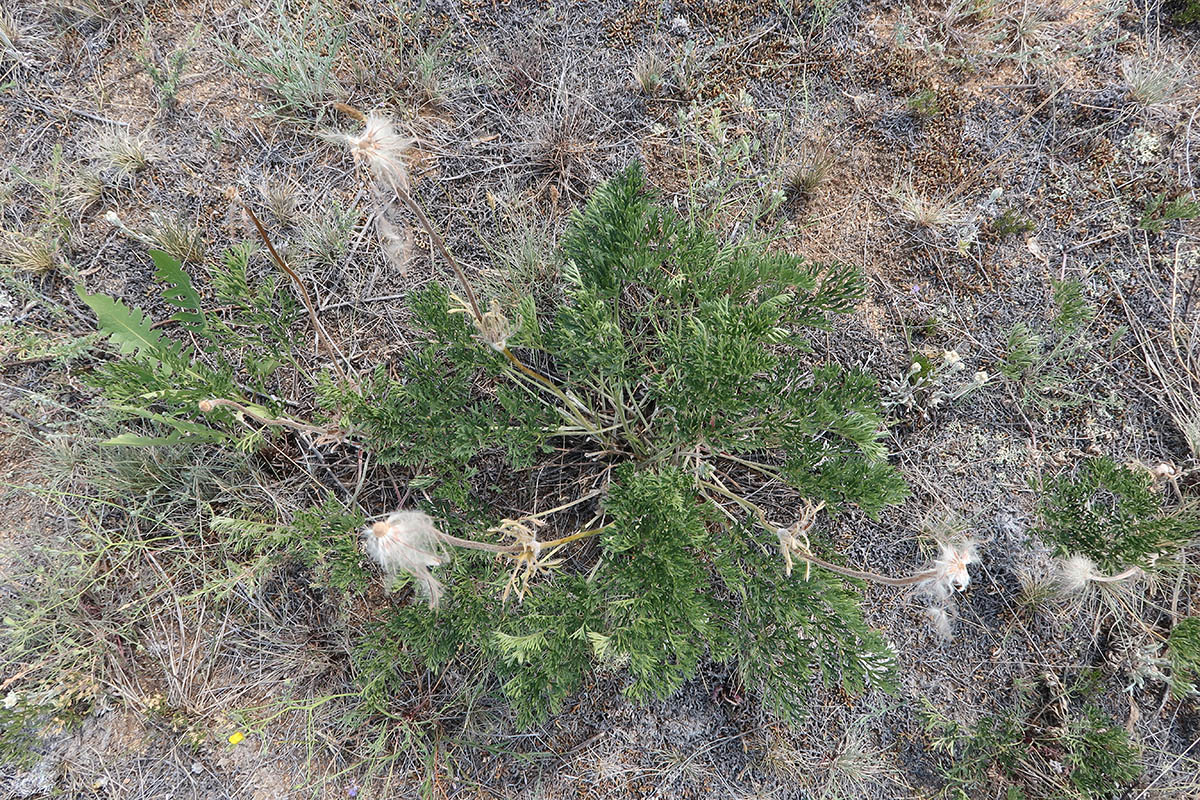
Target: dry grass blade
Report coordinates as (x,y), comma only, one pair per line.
(1172,357)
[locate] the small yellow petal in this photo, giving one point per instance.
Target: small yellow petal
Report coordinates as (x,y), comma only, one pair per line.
(237,737)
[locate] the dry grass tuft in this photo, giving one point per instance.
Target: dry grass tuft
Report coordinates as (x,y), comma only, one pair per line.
(183,241)
(281,198)
(14,39)
(325,234)
(925,212)
(123,152)
(563,148)
(649,74)
(85,188)
(811,170)
(1172,354)
(37,255)
(1152,83)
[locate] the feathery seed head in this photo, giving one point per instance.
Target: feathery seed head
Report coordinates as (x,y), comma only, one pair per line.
(1075,573)
(939,620)
(381,150)
(949,573)
(408,542)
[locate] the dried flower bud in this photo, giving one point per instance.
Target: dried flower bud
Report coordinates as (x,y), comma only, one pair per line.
(408,542)
(528,561)
(112,218)
(980,378)
(206,406)
(494,328)
(794,539)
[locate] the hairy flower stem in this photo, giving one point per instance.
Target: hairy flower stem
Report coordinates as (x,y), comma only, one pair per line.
(746,504)
(440,244)
(571,406)
(1120,576)
(514,549)
(510,549)
(763,469)
(322,335)
(207,406)
(396,182)
(874,577)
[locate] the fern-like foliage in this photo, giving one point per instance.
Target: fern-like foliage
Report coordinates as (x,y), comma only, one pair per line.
(807,629)
(436,419)
(1044,366)
(1073,310)
(324,539)
(660,609)
(1183,652)
(1160,212)
(1112,514)
(678,377)
(1027,752)
(681,364)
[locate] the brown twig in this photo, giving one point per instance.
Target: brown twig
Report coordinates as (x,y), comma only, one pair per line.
(42,429)
(440,244)
(350,111)
(322,335)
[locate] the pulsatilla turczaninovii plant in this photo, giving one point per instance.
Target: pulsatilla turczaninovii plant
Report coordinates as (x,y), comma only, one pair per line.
(678,379)
(671,425)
